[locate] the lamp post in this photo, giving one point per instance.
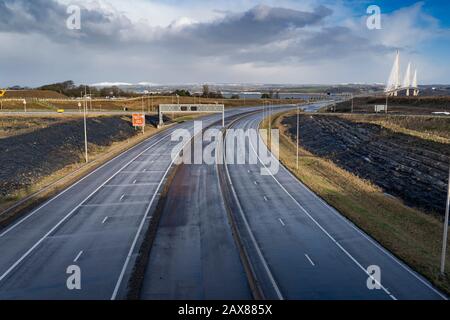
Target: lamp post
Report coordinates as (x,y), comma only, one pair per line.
(298,125)
(85,131)
(143,114)
(444,240)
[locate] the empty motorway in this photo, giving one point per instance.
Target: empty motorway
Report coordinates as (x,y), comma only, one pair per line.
(95,224)
(226,232)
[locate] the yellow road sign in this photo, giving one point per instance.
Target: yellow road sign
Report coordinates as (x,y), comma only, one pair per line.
(2,93)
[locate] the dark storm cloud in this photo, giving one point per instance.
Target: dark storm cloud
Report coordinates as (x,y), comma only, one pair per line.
(48,17)
(261,36)
(261,24)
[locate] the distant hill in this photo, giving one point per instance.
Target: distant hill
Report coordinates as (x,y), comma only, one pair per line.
(27,94)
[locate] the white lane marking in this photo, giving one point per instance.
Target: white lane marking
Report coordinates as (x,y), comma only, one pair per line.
(309,259)
(78,257)
(141,225)
(29,251)
(281,221)
(316,223)
(256,183)
(121,198)
(265,198)
(252,237)
(104,220)
(366,236)
(134,182)
(76,183)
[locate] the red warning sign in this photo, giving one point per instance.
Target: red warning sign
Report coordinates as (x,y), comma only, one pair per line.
(138,120)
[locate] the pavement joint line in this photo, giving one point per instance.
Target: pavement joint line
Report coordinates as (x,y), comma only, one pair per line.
(114,204)
(281,221)
(317,223)
(309,259)
(367,237)
(104,220)
(79,181)
(78,257)
(37,243)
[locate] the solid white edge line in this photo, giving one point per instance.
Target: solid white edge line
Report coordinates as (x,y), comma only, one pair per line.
(6,273)
(318,224)
(141,225)
(71,186)
(252,237)
(366,236)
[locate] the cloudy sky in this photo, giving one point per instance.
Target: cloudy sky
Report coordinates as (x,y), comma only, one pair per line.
(221,41)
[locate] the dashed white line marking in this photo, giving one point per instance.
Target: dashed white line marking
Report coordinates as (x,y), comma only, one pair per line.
(265,198)
(317,223)
(78,256)
(121,198)
(256,183)
(281,221)
(134,182)
(104,220)
(309,259)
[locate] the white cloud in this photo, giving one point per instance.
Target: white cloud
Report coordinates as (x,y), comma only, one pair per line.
(217,41)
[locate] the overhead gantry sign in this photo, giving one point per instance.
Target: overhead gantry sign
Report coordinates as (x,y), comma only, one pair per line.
(191,108)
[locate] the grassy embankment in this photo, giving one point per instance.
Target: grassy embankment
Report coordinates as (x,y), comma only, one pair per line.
(410,234)
(49,185)
(431,128)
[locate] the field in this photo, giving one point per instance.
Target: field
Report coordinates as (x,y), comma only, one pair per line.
(411,234)
(26,94)
(148,103)
(397,105)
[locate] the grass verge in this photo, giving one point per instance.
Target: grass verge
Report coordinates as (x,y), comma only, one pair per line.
(411,235)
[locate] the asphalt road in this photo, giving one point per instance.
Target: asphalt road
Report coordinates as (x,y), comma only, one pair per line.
(95,224)
(194,255)
(302,248)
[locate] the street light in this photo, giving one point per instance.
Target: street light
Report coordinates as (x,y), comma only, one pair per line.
(85,131)
(298,125)
(444,240)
